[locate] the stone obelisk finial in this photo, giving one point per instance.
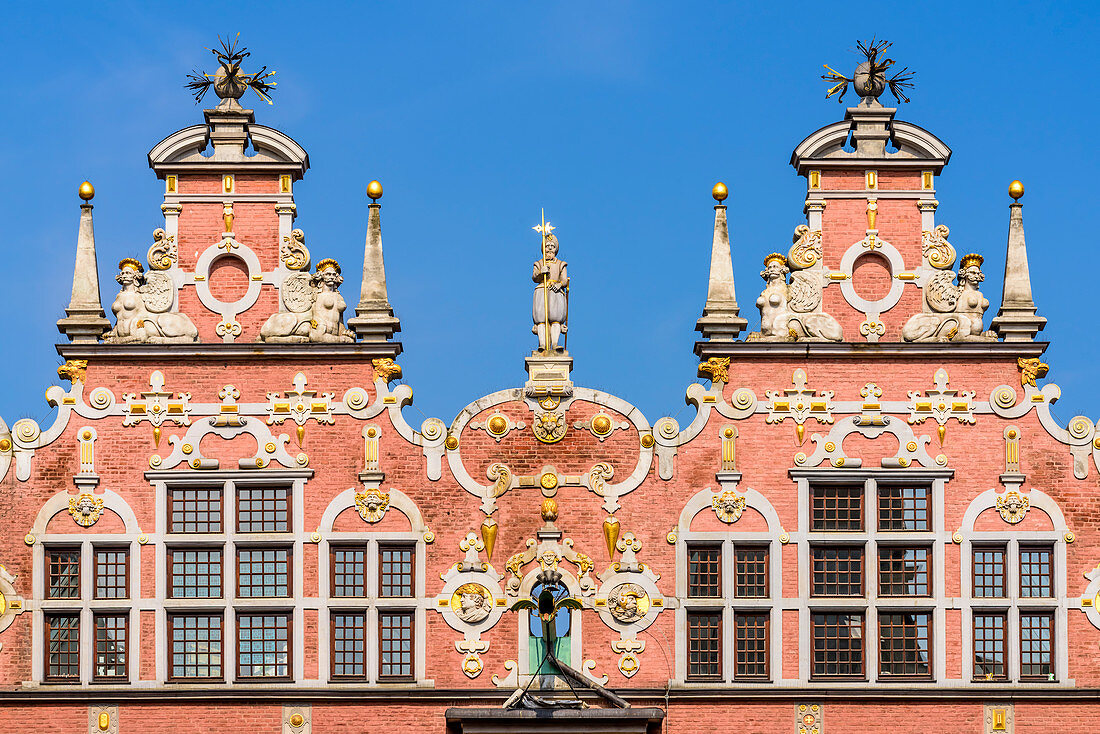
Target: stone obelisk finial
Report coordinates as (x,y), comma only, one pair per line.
(1017,320)
(721,320)
(84,321)
(374,320)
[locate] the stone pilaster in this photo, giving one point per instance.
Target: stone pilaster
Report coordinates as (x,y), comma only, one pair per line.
(721,319)
(374,320)
(84,321)
(1017,321)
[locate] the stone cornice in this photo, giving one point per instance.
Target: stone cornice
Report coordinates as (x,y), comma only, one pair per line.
(241,350)
(867,350)
(638,697)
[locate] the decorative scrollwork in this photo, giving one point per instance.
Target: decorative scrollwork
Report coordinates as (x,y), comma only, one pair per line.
(501,476)
(806,250)
(162,254)
(85,509)
(293,251)
(936,249)
(728,505)
(1012,506)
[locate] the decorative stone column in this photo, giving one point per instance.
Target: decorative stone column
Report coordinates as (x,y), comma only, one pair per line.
(374,320)
(721,319)
(84,321)
(1017,321)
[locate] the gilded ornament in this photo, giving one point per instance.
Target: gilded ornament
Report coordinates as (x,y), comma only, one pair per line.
(143,539)
(719,192)
(296,720)
(498,424)
(187,448)
(971,260)
(549,480)
(471,603)
(451,442)
(5,444)
(1016,190)
(85,509)
(374,190)
(806,250)
(429,536)
(647,440)
(103,721)
(1012,506)
(549,509)
(372,504)
(611,534)
(549,427)
(73,370)
(385,369)
(29,539)
(628,603)
(489,530)
(936,249)
(1069,537)
(716,369)
(728,505)
(86,191)
(162,253)
(601,425)
(472,665)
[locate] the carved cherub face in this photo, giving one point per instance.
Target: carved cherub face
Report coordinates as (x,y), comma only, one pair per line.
(128,276)
(774,271)
(972,275)
(330,278)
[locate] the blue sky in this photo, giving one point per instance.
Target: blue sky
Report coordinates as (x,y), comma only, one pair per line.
(616,117)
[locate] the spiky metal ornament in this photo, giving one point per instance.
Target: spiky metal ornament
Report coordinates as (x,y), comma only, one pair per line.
(870,78)
(229,82)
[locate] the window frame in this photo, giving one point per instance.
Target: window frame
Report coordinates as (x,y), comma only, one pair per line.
(126,644)
(396,611)
(48,628)
(288,614)
(170,623)
(125,551)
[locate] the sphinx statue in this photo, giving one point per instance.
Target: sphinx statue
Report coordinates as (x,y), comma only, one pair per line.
(791,312)
(143,309)
(952,312)
(314,308)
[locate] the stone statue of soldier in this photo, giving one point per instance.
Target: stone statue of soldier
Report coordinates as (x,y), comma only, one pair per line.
(551,299)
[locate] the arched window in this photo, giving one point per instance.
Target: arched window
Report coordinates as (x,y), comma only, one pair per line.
(1013,569)
(86,578)
(371,570)
(728,576)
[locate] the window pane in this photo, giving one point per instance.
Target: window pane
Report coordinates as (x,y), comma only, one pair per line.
(989,647)
(111,566)
(263,572)
(903,508)
(1036,572)
(989,572)
(903,571)
(750,645)
(1036,641)
(750,572)
(349,644)
(196,646)
(704,645)
(395,630)
(904,642)
(110,645)
(62,647)
(837,508)
(195,510)
(838,570)
(263,509)
(195,574)
(395,575)
(349,571)
(705,572)
(263,645)
(64,574)
(838,645)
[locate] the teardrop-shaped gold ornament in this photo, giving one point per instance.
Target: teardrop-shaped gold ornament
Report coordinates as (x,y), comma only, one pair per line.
(301,435)
(801,431)
(611,535)
(943,432)
(489,530)
(156,436)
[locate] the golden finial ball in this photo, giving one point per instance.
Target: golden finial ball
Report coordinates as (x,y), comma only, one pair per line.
(374,190)
(719,192)
(1016,190)
(86,191)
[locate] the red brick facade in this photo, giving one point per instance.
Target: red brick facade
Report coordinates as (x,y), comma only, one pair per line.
(777,423)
